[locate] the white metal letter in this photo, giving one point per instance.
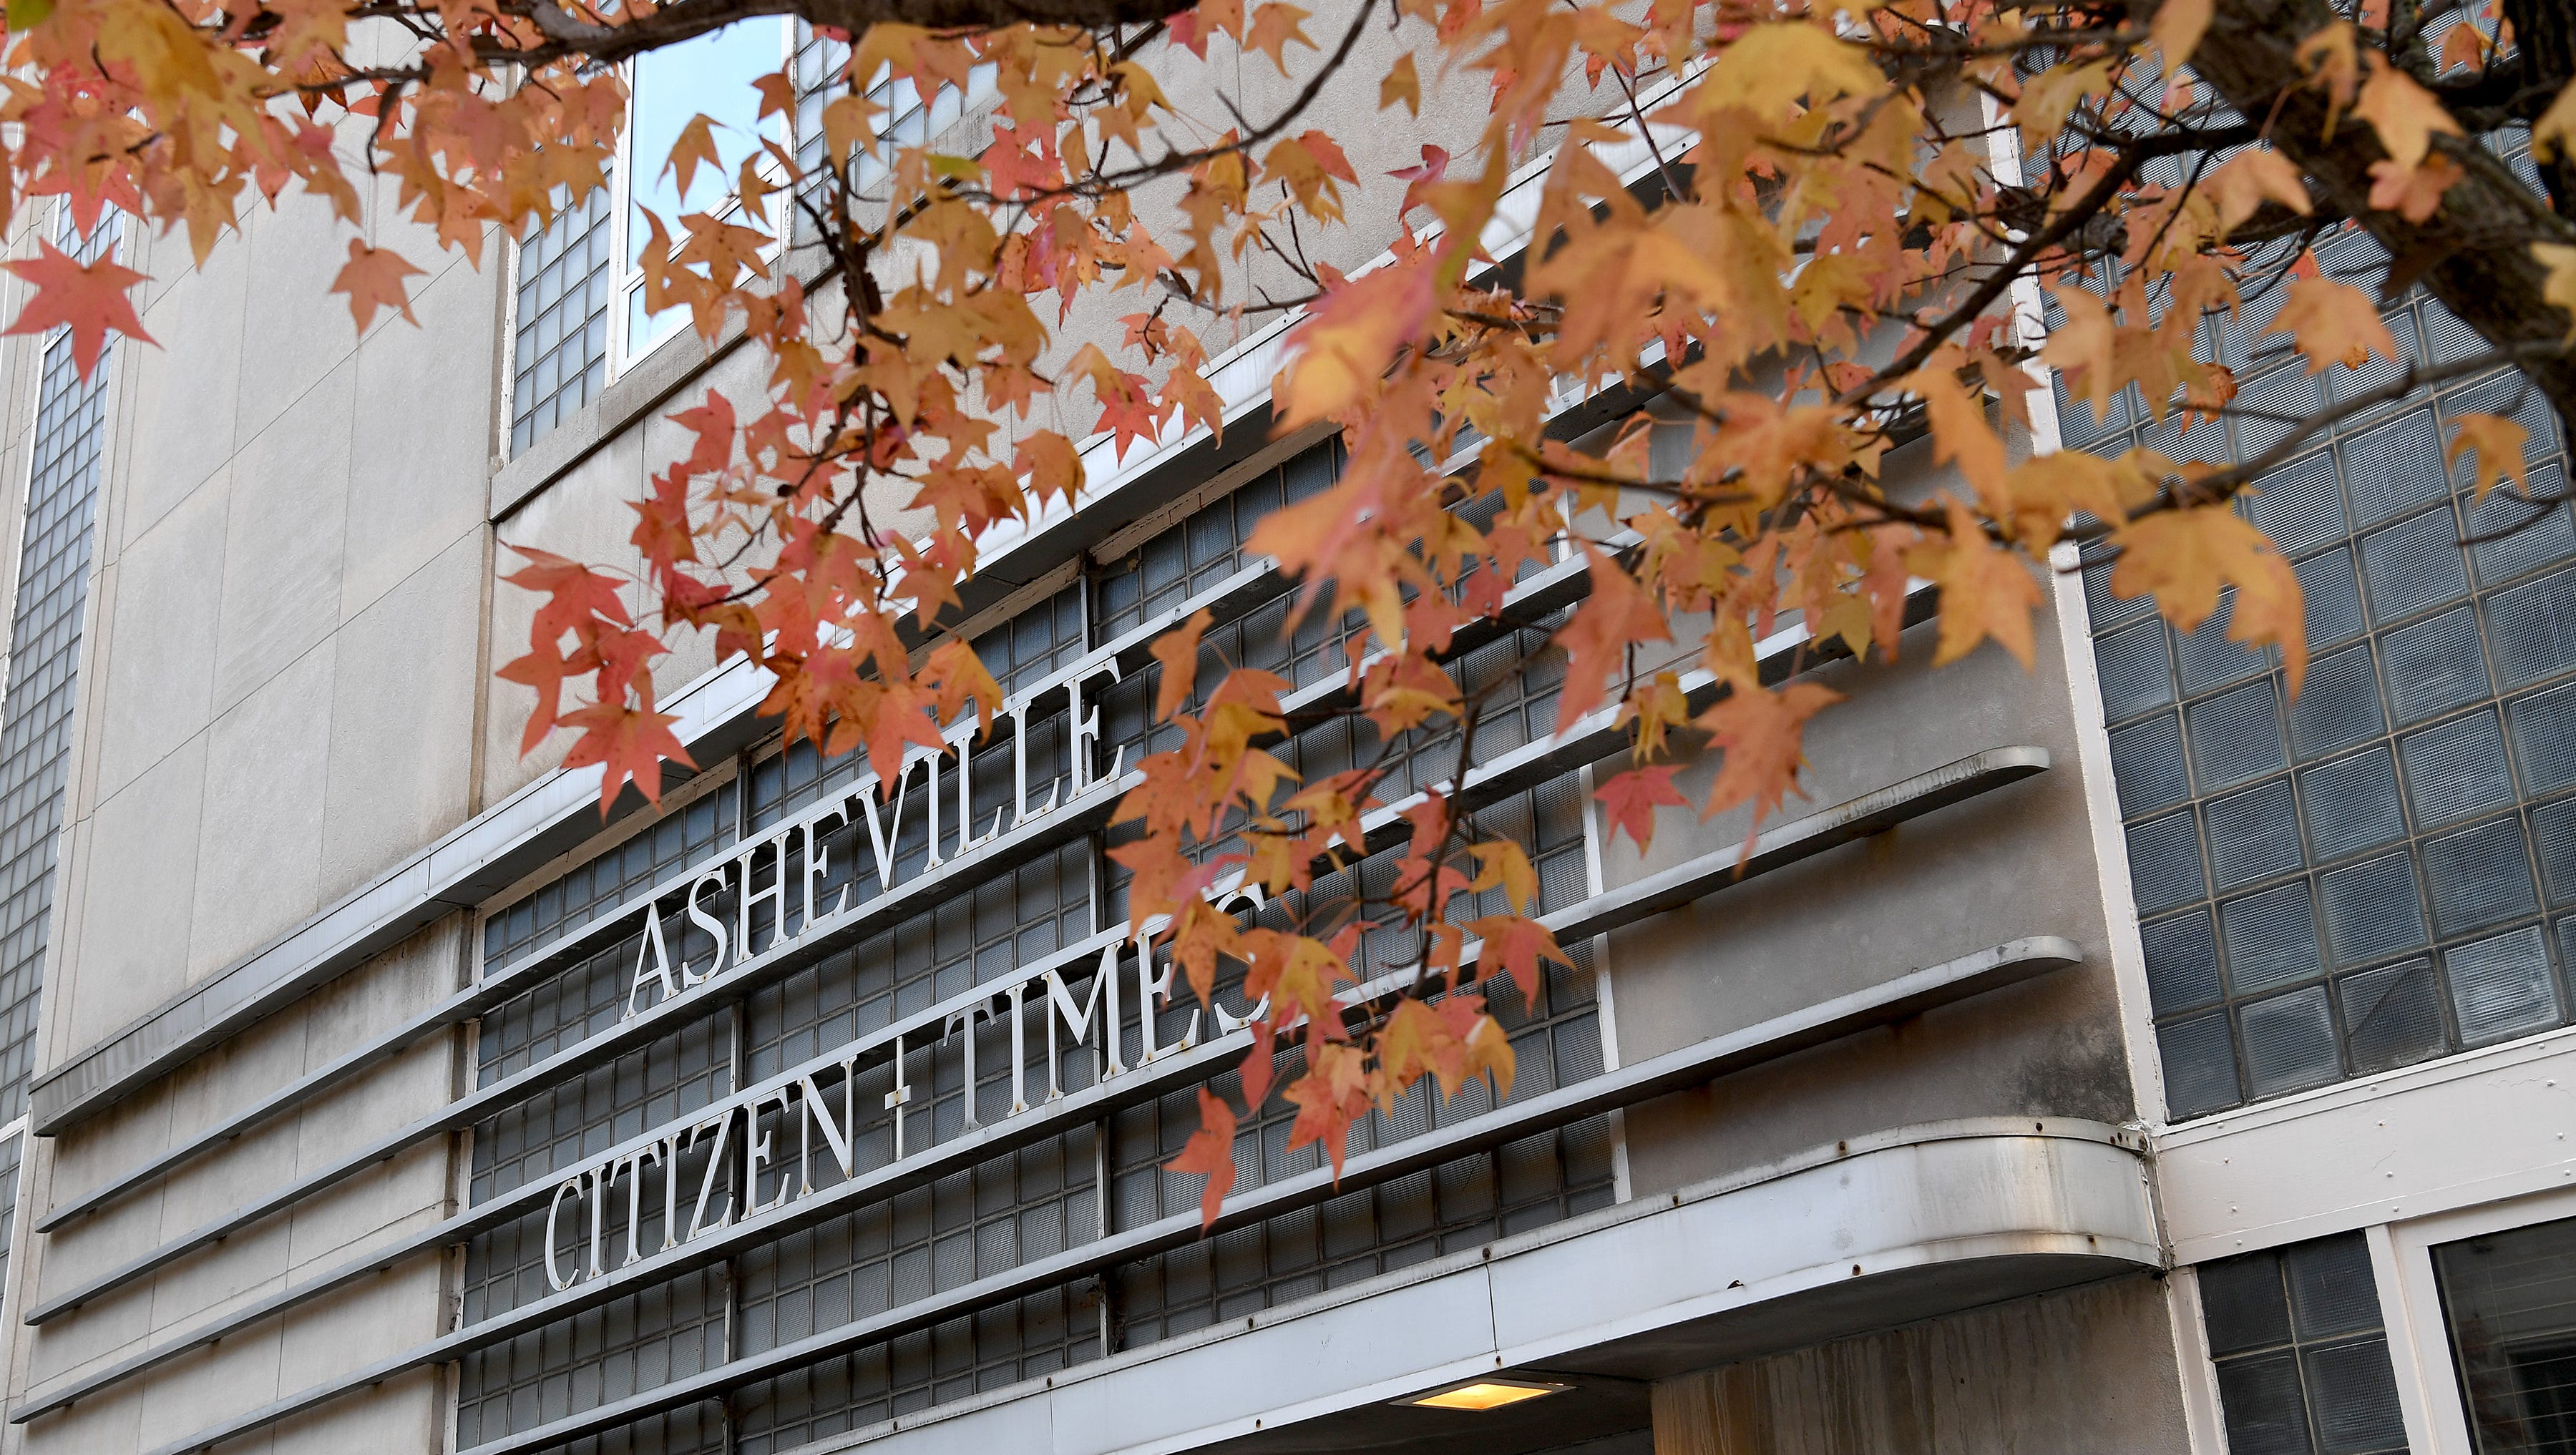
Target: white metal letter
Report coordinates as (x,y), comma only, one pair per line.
(554,1279)
(1086,731)
(653,949)
(818,862)
(713,925)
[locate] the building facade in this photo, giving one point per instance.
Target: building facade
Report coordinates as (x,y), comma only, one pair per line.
(2113,1056)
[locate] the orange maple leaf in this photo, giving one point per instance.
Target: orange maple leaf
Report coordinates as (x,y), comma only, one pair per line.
(88,300)
(1210,1154)
(1985,591)
(2333,323)
(2499,443)
(1763,734)
(373,279)
(1615,615)
(1178,651)
(2184,558)
(1274,26)
(627,743)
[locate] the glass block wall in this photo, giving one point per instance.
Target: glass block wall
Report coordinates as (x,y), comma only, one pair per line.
(559,358)
(36,713)
(2362,877)
(2302,1356)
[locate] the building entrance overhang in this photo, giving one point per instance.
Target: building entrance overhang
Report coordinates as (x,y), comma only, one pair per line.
(1865,1234)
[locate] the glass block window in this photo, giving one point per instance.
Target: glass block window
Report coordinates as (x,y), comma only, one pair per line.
(44,666)
(2364,876)
(689,834)
(2509,1300)
(650,1337)
(559,359)
(970,1224)
(1195,554)
(2302,1359)
(1556,1041)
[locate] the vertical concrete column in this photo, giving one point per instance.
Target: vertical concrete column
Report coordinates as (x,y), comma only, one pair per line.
(1695,1415)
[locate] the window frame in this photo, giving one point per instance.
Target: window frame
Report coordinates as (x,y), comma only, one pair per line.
(2410,1295)
(626,279)
(619,357)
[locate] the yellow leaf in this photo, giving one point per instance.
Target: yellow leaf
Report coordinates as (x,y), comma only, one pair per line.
(2253,178)
(2178,27)
(1773,67)
(2555,127)
(2403,113)
(1960,433)
(2332,59)
(2048,97)
(2499,443)
(1501,862)
(1401,84)
(1986,591)
(2560,289)
(2184,558)
(2336,323)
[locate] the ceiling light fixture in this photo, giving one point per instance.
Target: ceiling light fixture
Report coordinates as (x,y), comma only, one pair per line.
(1483,1394)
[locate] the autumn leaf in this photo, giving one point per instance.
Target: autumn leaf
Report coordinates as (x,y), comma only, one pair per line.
(1274,27)
(1178,651)
(373,279)
(627,743)
(1501,863)
(1762,732)
(2049,97)
(88,300)
(2185,558)
(1960,434)
(2178,27)
(2333,323)
(1513,948)
(1209,1153)
(1986,591)
(2406,116)
(1401,84)
(694,148)
(1771,67)
(2499,443)
(1631,798)
(2251,178)
(2559,288)
(2555,131)
(2415,192)
(1616,614)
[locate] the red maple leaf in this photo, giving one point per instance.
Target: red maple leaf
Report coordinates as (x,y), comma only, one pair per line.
(1131,413)
(88,300)
(1631,799)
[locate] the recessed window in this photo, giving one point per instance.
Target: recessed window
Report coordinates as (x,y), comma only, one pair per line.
(2509,1302)
(580,303)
